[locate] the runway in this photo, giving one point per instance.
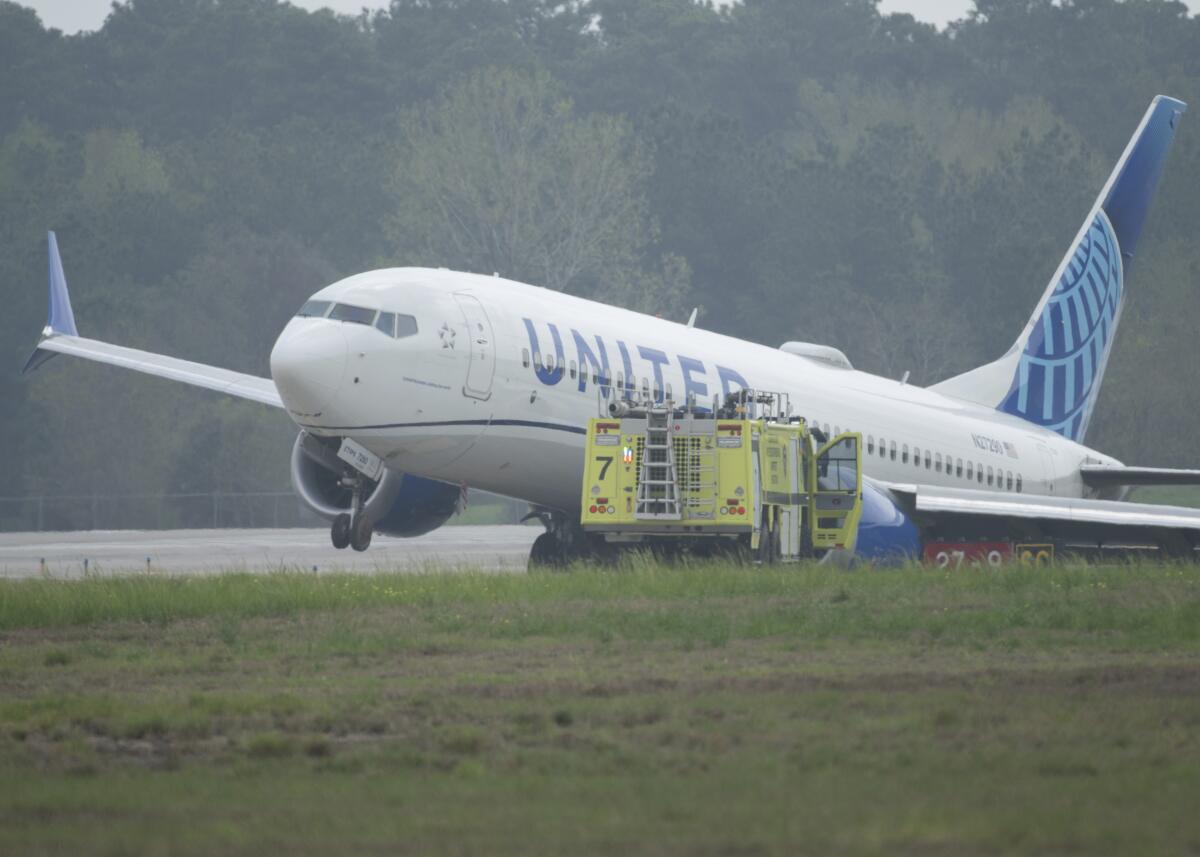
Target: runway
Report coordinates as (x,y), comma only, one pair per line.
(483,548)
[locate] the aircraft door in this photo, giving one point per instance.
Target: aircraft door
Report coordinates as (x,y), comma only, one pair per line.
(482,351)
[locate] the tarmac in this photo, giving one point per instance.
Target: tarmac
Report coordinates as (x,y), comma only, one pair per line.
(75,554)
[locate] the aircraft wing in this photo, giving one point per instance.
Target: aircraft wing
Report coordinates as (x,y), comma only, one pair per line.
(988,514)
(1103,475)
(61,337)
(197,374)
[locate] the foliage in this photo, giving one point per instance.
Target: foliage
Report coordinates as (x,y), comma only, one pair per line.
(499,175)
(802,169)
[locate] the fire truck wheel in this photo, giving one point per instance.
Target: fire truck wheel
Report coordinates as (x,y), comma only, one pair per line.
(768,546)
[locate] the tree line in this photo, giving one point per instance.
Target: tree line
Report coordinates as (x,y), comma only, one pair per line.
(799,169)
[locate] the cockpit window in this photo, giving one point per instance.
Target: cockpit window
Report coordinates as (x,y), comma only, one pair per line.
(393,324)
(313,309)
(353,314)
(406,325)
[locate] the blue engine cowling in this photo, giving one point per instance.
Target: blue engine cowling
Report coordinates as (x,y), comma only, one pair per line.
(419,506)
(885,532)
(400,504)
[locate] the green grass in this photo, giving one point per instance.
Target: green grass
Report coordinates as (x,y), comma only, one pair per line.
(1145,604)
(1168,495)
(645,710)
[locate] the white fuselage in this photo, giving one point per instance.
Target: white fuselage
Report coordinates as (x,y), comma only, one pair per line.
(481,395)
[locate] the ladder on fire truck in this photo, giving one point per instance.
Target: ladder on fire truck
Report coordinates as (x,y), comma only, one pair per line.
(658,484)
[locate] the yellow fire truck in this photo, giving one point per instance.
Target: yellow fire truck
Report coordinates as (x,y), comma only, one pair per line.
(748,475)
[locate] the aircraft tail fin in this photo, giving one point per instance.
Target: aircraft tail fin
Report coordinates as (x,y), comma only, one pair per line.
(1051,375)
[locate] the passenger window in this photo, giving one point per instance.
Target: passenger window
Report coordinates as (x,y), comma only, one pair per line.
(1008,481)
(990,474)
(572,369)
(937,462)
(549,362)
(525,357)
(892,449)
(620,380)
(882,448)
(904,454)
(958,468)
(352,314)
(970,471)
(313,309)
(928,460)
(979,473)
(387,323)
(917,456)
(406,325)
(645,388)
(1018,483)
(669,396)
(870,444)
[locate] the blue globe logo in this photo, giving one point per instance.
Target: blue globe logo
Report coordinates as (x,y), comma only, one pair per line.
(1064,359)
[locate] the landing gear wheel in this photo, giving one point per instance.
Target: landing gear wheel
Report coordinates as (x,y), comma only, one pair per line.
(546,552)
(339,533)
(360,533)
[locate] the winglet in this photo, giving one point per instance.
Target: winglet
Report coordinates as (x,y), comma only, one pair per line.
(60,319)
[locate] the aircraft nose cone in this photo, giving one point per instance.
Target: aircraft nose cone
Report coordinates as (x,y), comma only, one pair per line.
(308,363)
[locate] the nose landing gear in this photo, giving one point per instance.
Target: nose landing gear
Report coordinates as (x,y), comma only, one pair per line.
(339,533)
(354,528)
(360,533)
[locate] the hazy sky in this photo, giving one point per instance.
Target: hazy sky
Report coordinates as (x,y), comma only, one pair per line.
(71,16)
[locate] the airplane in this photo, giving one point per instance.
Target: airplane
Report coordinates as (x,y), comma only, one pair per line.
(410,385)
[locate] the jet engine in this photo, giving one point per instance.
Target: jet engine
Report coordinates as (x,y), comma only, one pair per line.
(399,504)
(886,533)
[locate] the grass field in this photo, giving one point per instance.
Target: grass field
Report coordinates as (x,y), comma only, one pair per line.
(1168,495)
(645,710)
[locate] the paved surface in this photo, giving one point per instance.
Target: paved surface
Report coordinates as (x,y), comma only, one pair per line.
(494,548)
